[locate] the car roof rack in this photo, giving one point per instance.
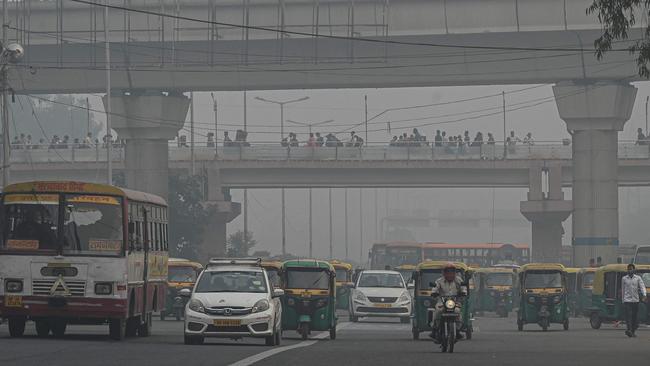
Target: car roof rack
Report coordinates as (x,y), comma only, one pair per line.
(253,262)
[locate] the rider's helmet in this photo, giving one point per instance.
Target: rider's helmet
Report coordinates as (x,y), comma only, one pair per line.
(449,272)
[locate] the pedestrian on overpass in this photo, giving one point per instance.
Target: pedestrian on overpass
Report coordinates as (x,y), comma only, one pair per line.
(633,292)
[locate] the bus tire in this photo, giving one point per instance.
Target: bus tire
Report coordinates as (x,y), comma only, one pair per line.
(17,326)
(117,329)
(132,324)
(144,329)
(42,328)
(58,327)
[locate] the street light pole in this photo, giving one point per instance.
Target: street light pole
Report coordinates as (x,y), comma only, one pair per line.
(109,139)
(216,134)
(281,104)
(347,243)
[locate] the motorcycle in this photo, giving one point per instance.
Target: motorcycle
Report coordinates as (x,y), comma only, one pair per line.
(449,318)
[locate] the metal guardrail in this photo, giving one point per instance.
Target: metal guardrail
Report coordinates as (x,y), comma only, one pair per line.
(275,152)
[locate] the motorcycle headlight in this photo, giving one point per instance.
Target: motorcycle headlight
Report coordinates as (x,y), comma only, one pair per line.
(196,305)
(450,304)
(404,298)
(262,305)
(360,296)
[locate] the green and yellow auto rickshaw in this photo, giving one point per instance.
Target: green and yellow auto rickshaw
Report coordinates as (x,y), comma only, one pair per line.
(181,273)
(426,273)
(585,286)
(309,301)
(572,289)
(273,271)
(606,302)
(343,283)
(543,295)
(496,290)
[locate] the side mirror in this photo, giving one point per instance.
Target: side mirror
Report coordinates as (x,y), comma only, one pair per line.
(410,285)
(186,292)
(278,292)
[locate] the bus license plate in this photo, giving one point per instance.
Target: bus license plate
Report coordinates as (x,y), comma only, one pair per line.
(13,301)
(227,322)
(382,305)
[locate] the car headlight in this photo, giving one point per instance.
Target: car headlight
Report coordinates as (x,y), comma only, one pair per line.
(262,305)
(103,288)
(14,285)
(196,305)
(450,304)
(360,296)
(404,298)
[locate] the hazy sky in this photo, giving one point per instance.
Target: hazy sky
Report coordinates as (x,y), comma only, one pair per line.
(530,108)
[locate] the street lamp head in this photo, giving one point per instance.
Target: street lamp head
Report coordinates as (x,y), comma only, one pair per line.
(15,52)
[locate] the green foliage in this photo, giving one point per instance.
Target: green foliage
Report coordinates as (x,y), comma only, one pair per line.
(617,18)
(239,244)
(187,215)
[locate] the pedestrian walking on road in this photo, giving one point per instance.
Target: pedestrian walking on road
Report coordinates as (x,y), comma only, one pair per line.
(633,293)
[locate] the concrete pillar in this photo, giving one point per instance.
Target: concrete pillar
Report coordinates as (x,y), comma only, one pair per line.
(147,121)
(546,209)
(594,113)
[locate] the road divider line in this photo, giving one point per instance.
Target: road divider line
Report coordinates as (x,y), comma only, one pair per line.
(272,352)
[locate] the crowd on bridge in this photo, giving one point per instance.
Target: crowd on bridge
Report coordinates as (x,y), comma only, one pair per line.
(26,142)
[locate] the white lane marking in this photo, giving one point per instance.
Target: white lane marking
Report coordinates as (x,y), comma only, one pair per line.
(266,354)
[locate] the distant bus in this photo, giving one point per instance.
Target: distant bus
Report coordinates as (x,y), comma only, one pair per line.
(393,254)
(478,254)
(642,255)
(81,253)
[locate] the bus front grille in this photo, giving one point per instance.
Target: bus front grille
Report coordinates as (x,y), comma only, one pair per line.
(45,287)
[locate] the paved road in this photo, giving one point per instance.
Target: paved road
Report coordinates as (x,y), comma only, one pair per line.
(496,342)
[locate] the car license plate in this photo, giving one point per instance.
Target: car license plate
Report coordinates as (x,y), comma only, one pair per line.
(382,305)
(227,322)
(13,301)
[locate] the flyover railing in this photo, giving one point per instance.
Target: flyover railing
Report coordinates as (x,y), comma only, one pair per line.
(264,151)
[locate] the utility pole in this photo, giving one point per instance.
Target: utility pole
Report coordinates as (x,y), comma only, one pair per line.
(505,137)
(245,190)
(6,141)
(216,124)
(311,242)
(87,116)
(646,116)
(109,134)
(192,158)
(376,214)
(331,226)
(281,104)
(347,243)
(366,104)
(360,226)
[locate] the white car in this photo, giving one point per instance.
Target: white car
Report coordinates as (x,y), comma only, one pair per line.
(380,294)
(233,299)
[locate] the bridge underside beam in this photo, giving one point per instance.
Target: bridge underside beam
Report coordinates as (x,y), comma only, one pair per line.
(313,63)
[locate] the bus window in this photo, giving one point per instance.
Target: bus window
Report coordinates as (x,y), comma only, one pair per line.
(93,225)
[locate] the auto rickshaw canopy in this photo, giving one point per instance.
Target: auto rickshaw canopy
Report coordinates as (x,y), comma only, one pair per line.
(440,265)
(181,262)
(542,267)
(599,277)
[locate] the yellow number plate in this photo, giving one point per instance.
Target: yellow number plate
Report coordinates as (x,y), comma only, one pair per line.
(227,322)
(382,305)
(13,301)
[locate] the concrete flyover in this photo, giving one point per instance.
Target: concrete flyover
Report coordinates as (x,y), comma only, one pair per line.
(274,166)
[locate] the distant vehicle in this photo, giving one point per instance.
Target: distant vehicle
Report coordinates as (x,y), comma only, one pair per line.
(233,298)
(181,273)
(84,253)
(380,294)
(393,254)
(642,255)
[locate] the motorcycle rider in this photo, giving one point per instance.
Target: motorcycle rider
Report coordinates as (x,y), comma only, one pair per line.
(450,284)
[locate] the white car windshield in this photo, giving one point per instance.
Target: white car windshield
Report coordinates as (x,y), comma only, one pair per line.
(232,281)
(393,280)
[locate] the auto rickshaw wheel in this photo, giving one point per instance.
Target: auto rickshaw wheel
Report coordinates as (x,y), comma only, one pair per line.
(162,314)
(544,324)
(179,314)
(416,334)
(303,329)
(354,318)
(333,333)
(595,321)
(566,324)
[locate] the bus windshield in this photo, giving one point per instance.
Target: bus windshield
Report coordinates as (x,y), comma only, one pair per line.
(543,279)
(31,222)
(499,279)
(93,225)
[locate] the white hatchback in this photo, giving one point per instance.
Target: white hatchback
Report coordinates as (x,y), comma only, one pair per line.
(233,300)
(380,294)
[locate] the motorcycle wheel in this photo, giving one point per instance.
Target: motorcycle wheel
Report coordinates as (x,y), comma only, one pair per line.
(443,338)
(566,324)
(303,329)
(416,334)
(595,321)
(544,324)
(520,325)
(451,336)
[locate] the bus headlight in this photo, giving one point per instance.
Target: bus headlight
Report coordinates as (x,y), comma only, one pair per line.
(103,288)
(14,285)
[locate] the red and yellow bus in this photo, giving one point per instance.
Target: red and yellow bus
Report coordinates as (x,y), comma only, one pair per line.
(393,254)
(81,253)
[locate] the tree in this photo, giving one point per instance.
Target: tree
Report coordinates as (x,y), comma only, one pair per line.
(617,18)
(187,215)
(239,244)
